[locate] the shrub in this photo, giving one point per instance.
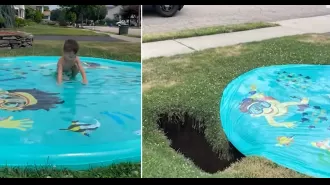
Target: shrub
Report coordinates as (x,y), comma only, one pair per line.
(29,13)
(19,22)
(63,23)
(47,22)
(29,22)
(51,23)
(38,17)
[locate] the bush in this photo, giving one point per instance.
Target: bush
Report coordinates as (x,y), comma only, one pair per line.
(63,23)
(38,17)
(30,13)
(19,22)
(29,22)
(52,23)
(47,22)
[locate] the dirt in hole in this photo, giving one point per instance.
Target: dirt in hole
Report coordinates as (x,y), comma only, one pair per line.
(189,139)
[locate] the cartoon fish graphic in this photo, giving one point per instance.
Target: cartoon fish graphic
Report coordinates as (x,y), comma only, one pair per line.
(93,65)
(284,141)
(324,145)
(83,128)
(137,132)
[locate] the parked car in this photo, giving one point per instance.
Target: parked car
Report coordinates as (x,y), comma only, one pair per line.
(166,10)
(121,23)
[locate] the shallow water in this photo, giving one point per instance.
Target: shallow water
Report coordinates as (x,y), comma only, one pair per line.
(281,113)
(108,110)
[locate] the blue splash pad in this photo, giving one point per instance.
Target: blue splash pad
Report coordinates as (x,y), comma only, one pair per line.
(73,126)
(281,113)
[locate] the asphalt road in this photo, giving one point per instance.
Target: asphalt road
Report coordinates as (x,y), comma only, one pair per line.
(195,16)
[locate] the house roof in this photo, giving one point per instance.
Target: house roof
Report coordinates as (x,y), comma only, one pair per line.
(46,13)
(16,7)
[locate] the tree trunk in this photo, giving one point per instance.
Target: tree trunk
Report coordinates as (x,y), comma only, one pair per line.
(129,20)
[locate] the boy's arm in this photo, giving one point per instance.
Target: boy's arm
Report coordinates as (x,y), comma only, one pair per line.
(59,71)
(82,71)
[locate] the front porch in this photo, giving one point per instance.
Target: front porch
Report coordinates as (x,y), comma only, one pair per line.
(19,11)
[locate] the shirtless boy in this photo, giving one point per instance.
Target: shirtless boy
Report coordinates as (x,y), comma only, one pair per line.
(69,65)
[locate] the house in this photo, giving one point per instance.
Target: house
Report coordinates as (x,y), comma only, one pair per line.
(19,11)
(46,15)
(38,7)
(41,9)
(113,12)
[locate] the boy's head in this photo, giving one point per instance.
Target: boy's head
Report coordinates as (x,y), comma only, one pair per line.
(70,49)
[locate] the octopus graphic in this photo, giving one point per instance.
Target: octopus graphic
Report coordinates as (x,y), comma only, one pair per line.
(28,99)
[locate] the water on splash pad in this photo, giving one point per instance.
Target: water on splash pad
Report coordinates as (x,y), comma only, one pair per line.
(36,111)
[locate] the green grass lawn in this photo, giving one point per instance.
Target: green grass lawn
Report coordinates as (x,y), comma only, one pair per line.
(124,170)
(205,31)
(39,29)
(193,84)
(123,51)
(109,50)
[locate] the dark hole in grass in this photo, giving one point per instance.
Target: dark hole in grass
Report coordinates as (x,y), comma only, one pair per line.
(187,137)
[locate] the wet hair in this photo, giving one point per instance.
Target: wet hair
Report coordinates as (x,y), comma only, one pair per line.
(71,45)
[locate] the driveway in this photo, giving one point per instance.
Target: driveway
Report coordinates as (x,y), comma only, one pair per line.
(195,16)
(131,30)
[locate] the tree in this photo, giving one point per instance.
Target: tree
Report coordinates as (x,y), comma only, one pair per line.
(62,18)
(46,8)
(55,14)
(97,12)
(38,16)
(71,17)
(7,16)
(80,10)
(29,13)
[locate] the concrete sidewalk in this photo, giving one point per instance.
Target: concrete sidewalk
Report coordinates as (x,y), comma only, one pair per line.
(319,24)
(102,29)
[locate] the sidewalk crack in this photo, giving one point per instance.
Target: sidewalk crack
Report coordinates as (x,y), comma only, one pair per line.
(185,45)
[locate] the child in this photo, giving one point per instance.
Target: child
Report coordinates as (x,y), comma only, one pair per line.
(69,64)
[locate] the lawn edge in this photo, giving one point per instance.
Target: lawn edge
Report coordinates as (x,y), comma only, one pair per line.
(146,38)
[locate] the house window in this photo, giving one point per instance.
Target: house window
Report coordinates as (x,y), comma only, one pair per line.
(16,12)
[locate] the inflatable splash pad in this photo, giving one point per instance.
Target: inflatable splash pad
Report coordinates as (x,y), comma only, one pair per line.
(73,126)
(281,113)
